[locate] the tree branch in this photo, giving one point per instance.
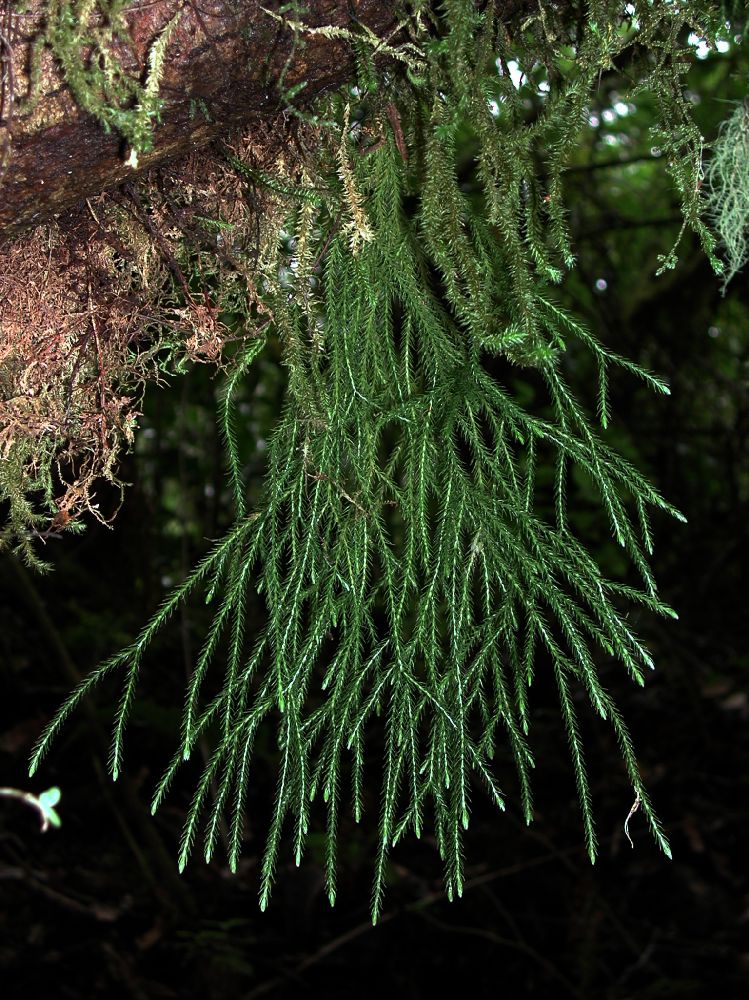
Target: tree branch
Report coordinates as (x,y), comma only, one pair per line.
(221,69)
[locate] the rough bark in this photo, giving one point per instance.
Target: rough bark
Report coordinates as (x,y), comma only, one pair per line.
(223,60)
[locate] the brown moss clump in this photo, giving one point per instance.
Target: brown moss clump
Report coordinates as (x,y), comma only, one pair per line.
(132,285)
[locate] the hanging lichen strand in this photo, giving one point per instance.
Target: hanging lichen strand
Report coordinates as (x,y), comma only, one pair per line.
(727,179)
(405,569)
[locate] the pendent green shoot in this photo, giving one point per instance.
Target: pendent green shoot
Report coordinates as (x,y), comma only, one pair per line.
(411,580)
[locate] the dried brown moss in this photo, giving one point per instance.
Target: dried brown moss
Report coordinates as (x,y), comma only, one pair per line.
(133,284)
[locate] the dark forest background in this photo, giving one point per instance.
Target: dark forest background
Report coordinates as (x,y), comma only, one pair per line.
(97,909)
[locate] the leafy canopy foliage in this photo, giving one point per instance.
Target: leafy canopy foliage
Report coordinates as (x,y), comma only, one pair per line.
(402,549)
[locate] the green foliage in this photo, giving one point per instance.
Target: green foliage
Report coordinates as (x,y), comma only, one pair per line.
(27,469)
(402,552)
(16,487)
(47,802)
(99,82)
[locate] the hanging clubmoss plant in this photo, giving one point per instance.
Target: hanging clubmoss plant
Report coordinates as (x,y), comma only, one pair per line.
(401,551)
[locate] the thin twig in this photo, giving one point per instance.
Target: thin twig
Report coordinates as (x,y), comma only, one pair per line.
(419,904)
(31,800)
